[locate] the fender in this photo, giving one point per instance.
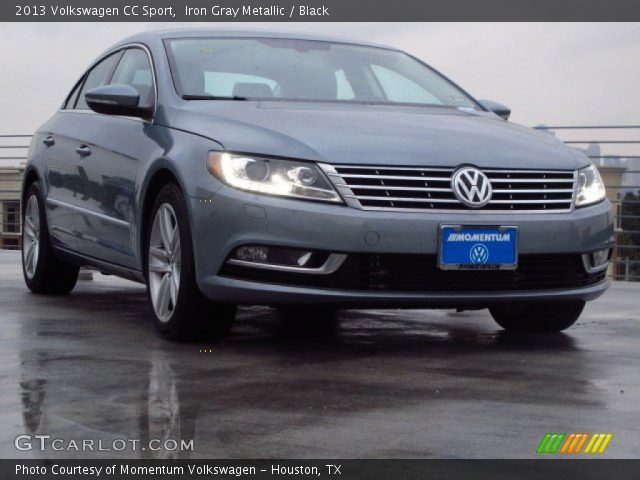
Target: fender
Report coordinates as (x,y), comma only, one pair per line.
(141,201)
(28,172)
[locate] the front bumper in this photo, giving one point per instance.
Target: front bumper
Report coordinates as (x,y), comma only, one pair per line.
(232,290)
(232,218)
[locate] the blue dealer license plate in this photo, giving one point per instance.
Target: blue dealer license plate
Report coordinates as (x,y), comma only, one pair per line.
(474,247)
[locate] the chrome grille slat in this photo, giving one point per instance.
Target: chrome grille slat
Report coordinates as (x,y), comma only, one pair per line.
(398,177)
(385,187)
(529,180)
(529,201)
(386,167)
(535,190)
(448,200)
(391,188)
(427,189)
(408,199)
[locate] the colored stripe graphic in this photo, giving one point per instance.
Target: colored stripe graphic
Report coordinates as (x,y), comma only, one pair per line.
(598,443)
(581,443)
(568,443)
(574,443)
(551,442)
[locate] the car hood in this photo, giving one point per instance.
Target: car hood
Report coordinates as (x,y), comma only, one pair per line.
(374,134)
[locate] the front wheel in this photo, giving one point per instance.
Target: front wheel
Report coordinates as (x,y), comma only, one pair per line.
(180,310)
(537,317)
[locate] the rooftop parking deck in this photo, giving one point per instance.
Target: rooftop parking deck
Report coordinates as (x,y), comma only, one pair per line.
(370,383)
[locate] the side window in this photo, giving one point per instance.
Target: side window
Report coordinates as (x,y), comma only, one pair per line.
(344,91)
(399,88)
(134,69)
(98,76)
(73,96)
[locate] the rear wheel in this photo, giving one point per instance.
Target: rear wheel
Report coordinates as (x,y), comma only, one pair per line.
(43,271)
(537,317)
(180,310)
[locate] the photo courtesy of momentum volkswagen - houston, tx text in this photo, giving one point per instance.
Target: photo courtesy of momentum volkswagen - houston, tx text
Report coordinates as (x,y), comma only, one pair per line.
(227,168)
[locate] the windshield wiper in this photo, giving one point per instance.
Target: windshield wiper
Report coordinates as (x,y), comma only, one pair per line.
(212,97)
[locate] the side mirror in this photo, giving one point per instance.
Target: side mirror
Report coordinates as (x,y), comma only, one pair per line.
(116,100)
(497,108)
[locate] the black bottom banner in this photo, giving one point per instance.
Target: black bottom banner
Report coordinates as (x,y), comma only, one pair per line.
(332,468)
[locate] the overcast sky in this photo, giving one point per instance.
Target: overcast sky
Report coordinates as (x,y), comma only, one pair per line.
(552,73)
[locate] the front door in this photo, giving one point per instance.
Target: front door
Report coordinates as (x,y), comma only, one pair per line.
(110,149)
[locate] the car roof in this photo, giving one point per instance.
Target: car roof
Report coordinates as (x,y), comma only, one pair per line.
(147,36)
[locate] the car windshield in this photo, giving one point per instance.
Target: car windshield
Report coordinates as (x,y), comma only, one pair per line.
(288,69)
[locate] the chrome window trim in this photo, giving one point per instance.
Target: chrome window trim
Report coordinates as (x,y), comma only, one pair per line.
(334,262)
(102,57)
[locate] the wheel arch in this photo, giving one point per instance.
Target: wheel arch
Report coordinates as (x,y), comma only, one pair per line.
(161,175)
(30,177)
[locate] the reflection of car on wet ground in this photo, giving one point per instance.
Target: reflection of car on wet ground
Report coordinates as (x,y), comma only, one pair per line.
(151,425)
(222,168)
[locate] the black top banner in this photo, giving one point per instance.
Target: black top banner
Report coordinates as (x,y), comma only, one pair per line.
(317,10)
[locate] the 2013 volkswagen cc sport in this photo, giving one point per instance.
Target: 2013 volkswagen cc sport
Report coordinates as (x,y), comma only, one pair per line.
(225,168)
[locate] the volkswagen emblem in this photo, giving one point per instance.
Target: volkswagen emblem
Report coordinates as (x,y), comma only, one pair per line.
(479,253)
(471,187)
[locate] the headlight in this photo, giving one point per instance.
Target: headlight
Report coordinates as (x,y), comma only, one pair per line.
(590,186)
(272,176)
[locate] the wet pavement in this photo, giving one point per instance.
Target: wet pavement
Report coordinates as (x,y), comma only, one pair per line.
(364,384)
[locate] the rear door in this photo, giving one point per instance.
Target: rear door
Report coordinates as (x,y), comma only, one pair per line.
(61,178)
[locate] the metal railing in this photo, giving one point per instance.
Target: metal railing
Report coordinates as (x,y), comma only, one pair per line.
(616,151)
(13,155)
(626,201)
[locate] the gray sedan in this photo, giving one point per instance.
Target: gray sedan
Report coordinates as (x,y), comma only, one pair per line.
(224,168)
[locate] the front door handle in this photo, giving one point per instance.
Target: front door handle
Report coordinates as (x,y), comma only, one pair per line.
(49,141)
(83,150)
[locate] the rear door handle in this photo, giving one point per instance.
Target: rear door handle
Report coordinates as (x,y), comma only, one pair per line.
(49,141)
(83,150)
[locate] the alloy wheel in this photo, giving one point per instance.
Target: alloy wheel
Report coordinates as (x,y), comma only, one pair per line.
(31,237)
(164,261)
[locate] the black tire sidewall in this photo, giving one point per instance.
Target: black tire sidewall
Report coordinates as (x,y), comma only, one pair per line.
(177,325)
(537,317)
(36,282)
(52,275)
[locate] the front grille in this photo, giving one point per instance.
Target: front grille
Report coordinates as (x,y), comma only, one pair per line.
(419,273)
(413,188)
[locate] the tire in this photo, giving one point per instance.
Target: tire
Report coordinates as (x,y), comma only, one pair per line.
(537,317)
(180,310)
(43,271)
